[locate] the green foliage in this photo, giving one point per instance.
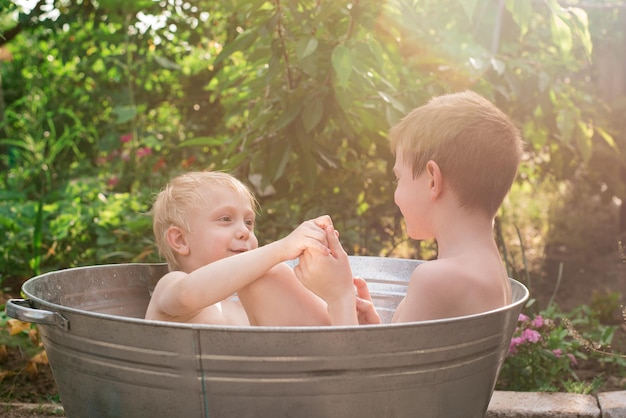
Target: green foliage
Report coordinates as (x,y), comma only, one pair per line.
(19,335)
(296,95)
(81,226)
(584,388)
(544,353)
(121,96)
(540,356)
(36,151)
(606,305)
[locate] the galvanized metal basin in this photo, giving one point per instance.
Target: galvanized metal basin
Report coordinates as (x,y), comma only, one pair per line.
(110,362)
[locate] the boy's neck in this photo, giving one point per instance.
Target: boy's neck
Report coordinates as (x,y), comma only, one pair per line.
(464,231)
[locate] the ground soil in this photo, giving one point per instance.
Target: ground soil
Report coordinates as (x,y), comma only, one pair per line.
(578,285)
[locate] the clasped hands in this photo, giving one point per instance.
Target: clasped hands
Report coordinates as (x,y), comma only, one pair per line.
(329,276)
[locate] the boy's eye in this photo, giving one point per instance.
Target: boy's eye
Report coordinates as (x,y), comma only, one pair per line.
(250,222)
(225,219)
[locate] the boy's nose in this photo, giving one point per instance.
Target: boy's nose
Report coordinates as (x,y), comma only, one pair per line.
(243,232)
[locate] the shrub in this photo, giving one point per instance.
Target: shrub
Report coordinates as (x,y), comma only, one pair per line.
(546,350)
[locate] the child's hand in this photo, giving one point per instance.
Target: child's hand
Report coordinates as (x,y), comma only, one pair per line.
(327,275)
(366,312)
(307,236)
(323,221)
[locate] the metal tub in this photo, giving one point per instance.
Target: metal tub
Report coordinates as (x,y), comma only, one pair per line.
(110,362)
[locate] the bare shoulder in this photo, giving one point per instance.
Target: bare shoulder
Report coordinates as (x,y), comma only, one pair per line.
(167,280)
(161,294)
(437,278)
(448,288)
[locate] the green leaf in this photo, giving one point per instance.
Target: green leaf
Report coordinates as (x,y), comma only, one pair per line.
(608,139)
(288,115)
(306,47)
(342,63)
(35,262)
(308,169)
(241,43)
(202,141)
(522,13)
(565,122)
(234,161)
(581,21)
(392,116)
(277,165)
(477,63)
(124,114)
(561,32)
(166,63)
(584,133)
(393,102)
(312,114)
(470,6)
(498,65)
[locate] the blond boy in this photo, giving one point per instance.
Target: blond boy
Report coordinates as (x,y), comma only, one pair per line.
(204,227)
(456,159)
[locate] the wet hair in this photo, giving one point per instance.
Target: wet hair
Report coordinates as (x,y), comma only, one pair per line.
(174,203)
(477,147)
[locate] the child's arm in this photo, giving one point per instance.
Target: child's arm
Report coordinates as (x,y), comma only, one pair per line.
(178,294)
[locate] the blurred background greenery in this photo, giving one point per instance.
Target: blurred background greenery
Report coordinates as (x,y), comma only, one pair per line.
(102,102)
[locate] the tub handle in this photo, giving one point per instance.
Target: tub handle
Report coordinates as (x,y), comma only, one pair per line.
(23,310)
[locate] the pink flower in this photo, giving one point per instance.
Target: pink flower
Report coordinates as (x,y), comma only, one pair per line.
(113,181)
(515,341)
(558,352)
(143,151)
(126,138)
(522,317)
(572,359)
(538,322)
(531,335)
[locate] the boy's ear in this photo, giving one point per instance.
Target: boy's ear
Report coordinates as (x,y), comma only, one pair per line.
(176,239)
(435,180)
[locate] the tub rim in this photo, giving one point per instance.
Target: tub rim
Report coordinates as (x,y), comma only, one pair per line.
(40,303)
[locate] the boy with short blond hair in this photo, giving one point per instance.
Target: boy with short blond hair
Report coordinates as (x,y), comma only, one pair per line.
(204,227)
(456,159)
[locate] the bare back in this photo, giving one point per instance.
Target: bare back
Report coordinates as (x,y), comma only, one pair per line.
(452,287)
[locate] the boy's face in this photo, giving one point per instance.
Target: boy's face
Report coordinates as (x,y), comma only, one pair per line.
(224,226)
(411,197)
